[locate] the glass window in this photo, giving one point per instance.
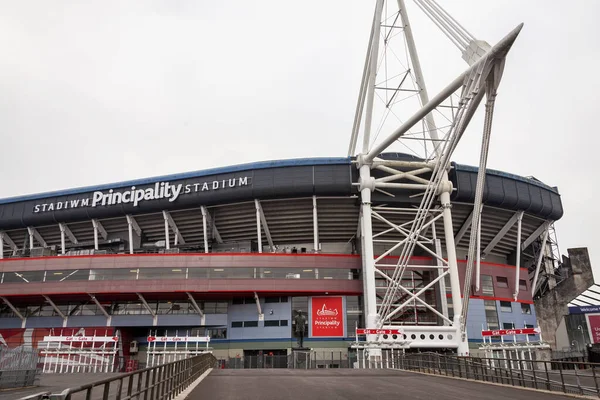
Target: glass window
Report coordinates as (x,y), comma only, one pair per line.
(70,275)
(487,285)
(23,277)
(506,306)
(271,323)
(526,309)
(508,325)
(530,326)
(522,284)
(250,324)
(491,314)
(283,322)
(502,281)
(237,324)
(197,273)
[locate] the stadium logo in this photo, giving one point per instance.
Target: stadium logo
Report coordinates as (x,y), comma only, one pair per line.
(134,196)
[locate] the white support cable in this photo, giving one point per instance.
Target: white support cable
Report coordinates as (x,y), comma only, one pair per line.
(478,203)
(454,29)
(457,26)
(442,25)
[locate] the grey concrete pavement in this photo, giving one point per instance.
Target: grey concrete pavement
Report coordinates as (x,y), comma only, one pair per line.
(350,384)
(53,383)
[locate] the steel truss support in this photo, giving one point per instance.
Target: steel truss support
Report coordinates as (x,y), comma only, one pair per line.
(63,316)
(316,244)
(150,310)
(132,225)
(4,238)
(215,232)
(501,233)
(258,307)
(261,221)
(64,230)
(539,259)
(430,181)
(170,223)
(101,308)
(14,309)
(536,234)
(195,304)
(34,234)
(99,229)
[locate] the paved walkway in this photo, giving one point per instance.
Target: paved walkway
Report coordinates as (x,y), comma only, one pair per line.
(349,384)
(54,383)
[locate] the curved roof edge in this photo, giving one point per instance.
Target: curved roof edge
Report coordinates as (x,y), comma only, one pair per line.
(530,181)
(185,175)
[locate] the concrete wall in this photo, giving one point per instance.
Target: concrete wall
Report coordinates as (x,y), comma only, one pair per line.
(553,306)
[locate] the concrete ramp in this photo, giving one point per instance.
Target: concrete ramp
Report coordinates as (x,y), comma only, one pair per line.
(349,384)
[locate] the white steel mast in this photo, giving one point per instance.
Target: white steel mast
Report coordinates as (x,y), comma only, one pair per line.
(424,177)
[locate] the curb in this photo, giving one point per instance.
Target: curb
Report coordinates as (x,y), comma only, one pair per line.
(183,395)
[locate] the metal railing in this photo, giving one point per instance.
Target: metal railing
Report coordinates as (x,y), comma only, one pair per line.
(566,377)
(18,367)
(296,360)
(162,382)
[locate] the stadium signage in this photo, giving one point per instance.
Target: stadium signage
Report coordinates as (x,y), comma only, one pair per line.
(327,317)
(135,196)
(507,332)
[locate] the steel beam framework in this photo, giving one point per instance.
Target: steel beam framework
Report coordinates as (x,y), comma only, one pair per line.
(397,292)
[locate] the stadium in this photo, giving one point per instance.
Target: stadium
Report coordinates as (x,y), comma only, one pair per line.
(226,258)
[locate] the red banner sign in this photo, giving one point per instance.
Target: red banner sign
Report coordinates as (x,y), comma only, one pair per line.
(506,332)
(593,321)
(327,317)
(362,331)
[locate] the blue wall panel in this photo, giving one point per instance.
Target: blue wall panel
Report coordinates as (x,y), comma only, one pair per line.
(132,320)
(83,321)
(44,322)
(248,312)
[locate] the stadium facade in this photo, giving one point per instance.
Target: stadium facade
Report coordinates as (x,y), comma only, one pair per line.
(235,253)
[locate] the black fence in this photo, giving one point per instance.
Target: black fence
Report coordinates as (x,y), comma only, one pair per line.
(556,376)
(156,383)
(296,360)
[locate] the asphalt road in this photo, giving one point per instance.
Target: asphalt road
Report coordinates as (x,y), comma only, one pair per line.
(349,384)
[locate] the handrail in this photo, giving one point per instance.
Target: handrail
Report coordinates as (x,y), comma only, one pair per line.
(164,381)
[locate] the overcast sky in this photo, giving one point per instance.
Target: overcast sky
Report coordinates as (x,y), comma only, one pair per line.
(102,91)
